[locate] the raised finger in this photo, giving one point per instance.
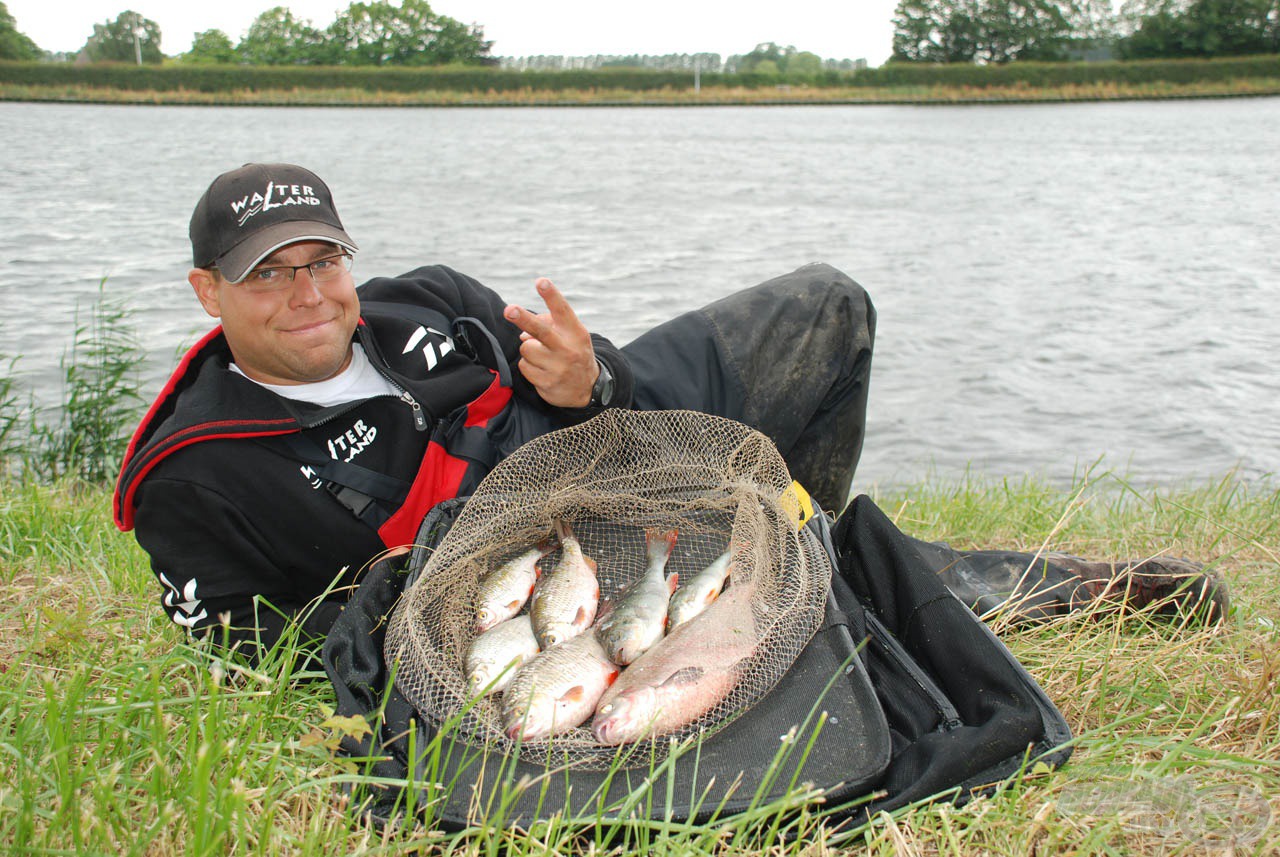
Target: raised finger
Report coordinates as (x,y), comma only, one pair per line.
(562,314)
(531,324)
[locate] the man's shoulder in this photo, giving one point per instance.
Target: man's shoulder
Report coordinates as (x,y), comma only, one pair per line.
(424,286)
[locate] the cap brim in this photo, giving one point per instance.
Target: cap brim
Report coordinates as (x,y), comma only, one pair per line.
(239,260)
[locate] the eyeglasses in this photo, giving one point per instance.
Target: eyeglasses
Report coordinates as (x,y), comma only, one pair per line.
(279,277)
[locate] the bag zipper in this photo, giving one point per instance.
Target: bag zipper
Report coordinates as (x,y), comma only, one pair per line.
(950,718)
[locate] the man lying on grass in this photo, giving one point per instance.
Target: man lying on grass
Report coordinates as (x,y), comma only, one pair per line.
(309,433)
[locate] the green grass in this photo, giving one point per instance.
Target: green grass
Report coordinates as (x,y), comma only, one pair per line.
(116,737)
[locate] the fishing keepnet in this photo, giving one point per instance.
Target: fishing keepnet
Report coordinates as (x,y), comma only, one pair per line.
(721,484)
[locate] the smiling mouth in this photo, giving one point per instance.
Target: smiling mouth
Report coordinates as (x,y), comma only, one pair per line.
(311,327)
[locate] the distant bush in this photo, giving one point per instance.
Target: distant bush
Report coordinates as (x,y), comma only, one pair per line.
(1062,74)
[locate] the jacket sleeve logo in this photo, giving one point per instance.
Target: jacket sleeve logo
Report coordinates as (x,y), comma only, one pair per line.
(182,604)
(435,349)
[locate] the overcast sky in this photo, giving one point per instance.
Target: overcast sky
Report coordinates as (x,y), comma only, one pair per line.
(832,29)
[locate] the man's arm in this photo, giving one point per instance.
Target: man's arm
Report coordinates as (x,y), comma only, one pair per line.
(457,295)
(216,573)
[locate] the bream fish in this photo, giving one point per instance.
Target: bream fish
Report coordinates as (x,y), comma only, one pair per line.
(699,591)
(637,618)
(557,690)
(565,599)
(503,590)
(684,676)
(494,656)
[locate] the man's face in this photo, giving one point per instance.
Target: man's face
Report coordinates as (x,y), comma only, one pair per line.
(297,335)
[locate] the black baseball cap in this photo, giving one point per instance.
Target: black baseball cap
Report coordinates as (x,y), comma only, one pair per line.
(249,213)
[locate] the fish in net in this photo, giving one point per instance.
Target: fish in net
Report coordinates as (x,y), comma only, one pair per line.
(722,485)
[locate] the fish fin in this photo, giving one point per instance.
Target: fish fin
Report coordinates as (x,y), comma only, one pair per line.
(514,606)
(612,677)
(684,675)
(591,563)
(659,545)
(583,618)
(563,530)
(673,582)
(574,694)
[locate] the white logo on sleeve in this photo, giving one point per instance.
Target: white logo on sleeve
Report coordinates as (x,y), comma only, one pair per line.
(184,603)
(433,351)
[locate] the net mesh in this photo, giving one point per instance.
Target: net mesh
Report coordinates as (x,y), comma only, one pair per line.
(716,481)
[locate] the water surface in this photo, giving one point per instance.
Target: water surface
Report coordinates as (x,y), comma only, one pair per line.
(1056,284)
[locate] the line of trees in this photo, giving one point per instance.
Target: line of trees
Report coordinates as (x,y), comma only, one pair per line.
(1001,31)
(766,58)
(378,33)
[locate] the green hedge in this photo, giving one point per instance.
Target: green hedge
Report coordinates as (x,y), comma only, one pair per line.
(206,78)
(1061,74)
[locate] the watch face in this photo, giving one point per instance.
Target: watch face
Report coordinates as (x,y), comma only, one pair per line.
(602,392)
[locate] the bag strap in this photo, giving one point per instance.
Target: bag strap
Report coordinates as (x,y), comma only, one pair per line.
(353,486)
(459,329)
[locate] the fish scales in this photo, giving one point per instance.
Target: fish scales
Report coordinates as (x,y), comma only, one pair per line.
(699,591)
(502,591)
(557,690)
(501,648)
(684,676)
(565,599)
(637,619)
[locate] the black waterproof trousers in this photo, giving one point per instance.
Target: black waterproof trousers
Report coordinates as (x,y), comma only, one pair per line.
(790,357)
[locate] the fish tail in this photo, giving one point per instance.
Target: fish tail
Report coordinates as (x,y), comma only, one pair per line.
(660,544)
(563,530)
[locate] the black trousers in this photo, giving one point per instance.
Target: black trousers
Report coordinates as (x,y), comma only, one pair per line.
(790,357)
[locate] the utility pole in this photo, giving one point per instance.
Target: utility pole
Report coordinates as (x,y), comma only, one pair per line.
(137,31)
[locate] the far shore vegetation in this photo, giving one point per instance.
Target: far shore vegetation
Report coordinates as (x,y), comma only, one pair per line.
(403,53)
(463,86)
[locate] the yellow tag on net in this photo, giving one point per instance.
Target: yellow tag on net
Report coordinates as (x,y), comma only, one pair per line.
(796,503)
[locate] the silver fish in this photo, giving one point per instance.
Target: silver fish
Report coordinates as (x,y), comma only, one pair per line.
(638,617)
(503,591)
(698,591)
(684,676)
(557,690)
(565,599)
(494,656)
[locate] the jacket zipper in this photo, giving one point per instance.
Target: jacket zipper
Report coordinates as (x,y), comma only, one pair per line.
(419,418)
(420,421)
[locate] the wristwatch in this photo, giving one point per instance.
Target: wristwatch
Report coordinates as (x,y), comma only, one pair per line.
(602,390)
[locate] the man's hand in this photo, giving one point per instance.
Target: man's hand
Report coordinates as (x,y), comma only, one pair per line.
(555,354)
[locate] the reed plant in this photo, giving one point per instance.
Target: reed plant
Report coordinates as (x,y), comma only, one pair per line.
(84,434)
(119,736)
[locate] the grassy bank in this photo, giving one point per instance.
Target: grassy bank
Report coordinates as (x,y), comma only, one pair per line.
(667,96)
(117,738)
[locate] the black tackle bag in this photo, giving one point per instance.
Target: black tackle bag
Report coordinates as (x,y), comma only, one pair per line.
(919,700)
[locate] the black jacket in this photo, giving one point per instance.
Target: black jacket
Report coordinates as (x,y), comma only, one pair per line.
(225,482)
